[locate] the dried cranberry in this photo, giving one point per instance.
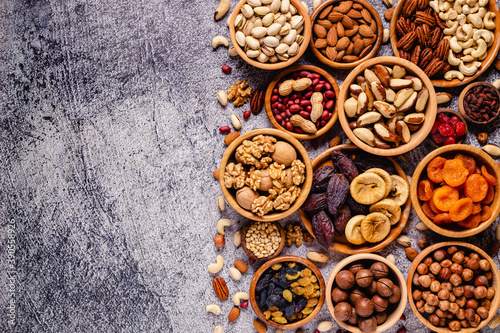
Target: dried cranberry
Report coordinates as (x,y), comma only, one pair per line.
(437,138)
(251,261)
(454,121)
(226,69)
(446,129)
(449,141)
(435,127)
(244,305)
(443,118)
(460,129)
(246,114)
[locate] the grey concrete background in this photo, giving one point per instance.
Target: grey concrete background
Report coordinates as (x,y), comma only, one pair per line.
(108,139)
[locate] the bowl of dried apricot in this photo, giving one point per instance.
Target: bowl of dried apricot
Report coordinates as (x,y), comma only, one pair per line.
(455,190)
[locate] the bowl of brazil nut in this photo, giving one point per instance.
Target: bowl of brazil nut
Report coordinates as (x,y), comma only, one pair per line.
(302,101)
(366,293)
(287,292)
(453,286)
(265,174)
(345,33)
(254,26)
(453,46)
(387,106)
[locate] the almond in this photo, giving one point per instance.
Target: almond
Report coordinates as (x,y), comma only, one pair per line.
(352,32)
(354,14)
(220,288)
(344,7)
(340,30)
(327,24)
(331,37)
(335,17)
(366,15)
(324,13)
(233,314)
(358,46)
(365,31)
(342,44)
(347,22)
(216,174)
(259,326)
(411,253)
(241,266)
(231,137)
(319,30)
(320,43)
(335,141)
(388,13)
(331,53)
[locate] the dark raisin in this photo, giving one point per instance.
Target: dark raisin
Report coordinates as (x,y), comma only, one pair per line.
(356,207)
(289,310)
(320,179)
(301,304)
(323,229)
(273,300)
(345,165)
(263,282)
(341,220)
(270,288)
(263,299)
(314,202)
(338,189)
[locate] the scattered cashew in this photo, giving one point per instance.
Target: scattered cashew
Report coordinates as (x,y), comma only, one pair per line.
(468,51)
(234,273)
(215,268)
(450,75)
(481,13)
(237,239)
(452,60)
(468,58)
(316,3)
(238,297)
(467,70)
(214,308)
(496,84)
(488,20)
(461,19)
(218,329)
(481,49)
(221,10)
(219,40)
(221,224)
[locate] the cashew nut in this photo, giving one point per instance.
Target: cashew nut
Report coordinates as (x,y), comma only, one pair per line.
(465,45)
(496,84)
(488,36)
(214,308)
(219,40)
(467,70)
(481,49)
(221,9)
(483,3)
(452,60)
(221,224)
(475,20)
(466,9)
(234,273)
(481,12)
(454,46)
(218,329)
(468,51)
(488,20)
(451,30)
(461,19)
(434,5)
(468,58)
(215,268)
(238,297)
(450,75)
(464,32)
(457,7)
(471,2)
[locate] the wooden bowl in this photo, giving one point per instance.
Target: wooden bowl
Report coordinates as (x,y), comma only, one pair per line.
(454,113)
(230,194)
(346,65)
(492,50)
(250,253)
(416,137)
(495,301)
(306,33)
(481,158)
(461,103)
(281,259)
(401,283)
(341,244)
(299,68)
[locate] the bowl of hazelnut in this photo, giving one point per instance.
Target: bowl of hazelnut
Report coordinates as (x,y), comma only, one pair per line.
(453,287)
(366,293)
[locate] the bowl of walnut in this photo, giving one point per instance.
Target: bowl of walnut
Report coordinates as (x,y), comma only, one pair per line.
(265,174)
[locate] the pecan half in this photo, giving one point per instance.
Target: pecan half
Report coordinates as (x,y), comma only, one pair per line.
(408,41)
(422,4)
(409,7)
(404,55)
(437,35)
(257,101)
(439,23)
(415,55)
(402,27)
(220,288)
(425,57)
(442,49)
(424,18)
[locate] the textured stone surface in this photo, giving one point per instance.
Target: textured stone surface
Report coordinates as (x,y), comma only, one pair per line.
(108,140)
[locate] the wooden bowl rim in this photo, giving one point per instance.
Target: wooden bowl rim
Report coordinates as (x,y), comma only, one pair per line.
(371,54)
(297,68)
(456,113)
(287,258)
(250,253)
(430,111)
(461,103)
(409,284)
(301,151)
(306,33)
(394,316)
(456,148)
(372,247)
(486,63)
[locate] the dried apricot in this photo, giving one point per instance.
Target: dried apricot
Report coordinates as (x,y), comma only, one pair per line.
(454,172)
(435,169)
(489,196)
(444,197)
(486,213)
(477,170)
(428,211)
(471,222)
(442,219)
(489,177)
(461,209)
(434,208)
(476,208)
(476,187)
(424,190)
(469,162)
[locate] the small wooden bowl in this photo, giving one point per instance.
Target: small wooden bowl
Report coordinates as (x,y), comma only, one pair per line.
(299,68)
(401,283)
(250,253)
(461,103)
(306,33)
(492,50)
(454,113)
(341,244)
(228,156)
(481,158)
(416,137)
(281,259)
(495,301)
(347,65)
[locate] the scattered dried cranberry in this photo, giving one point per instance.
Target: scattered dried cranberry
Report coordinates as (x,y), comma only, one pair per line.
(403,317)
(251,261)
(246,114)
(446,130)
(224,129)
(244,305)
(226,69)
(402,330)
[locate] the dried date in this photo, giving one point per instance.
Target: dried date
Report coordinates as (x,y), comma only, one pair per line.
(321,178)
(345,165)
(366,161)
(315,202)
(356,207)
(323,229)
(341,220)
(336,193)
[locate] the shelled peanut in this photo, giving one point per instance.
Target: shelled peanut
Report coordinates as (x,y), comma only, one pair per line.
(386,106)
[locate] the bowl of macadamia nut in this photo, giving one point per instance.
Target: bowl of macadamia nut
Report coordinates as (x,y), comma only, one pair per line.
(265,174)
(366,293)
(453,287)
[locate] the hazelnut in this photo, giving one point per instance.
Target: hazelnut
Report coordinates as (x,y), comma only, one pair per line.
(342,311)
(446,263)
(426,294)
(445,274)
(455,280)
(345,279)
(219,240)
(427,261)
(441,314)
(489,275)
(466,260)
(379,270)
(458,257)
(474,255)
(385,287)
(372,289)
(473,264)
(353,318)
(454,307)
(484,265)
(355,296)
(396,295)
(417,295)
(480,292)
(454,325)
(422,268)
(461,301)
(439,255)
(367,324)
(364,278)
(468,291)
(355,268)
(339,295)
(482,312)
(491,293)
(435,286)
(451,250)
(486,303)
(429,308)
(452,298)
(475,323)
(458,291)
(380,317)
(432,300)
(364,307)
(460,314)
(423,243)
(447,286)
(469,314)
(471,303)
(443,294)
(442,322)
(444,305)
(425,281)
(482,138)
(416,278)
(464,323)
(434,320)
(467,274)
(456,268)
(481,280)
(379,303)
(434,268)
(420,306)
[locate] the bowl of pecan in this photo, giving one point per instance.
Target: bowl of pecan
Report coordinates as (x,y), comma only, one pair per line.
(345,33)
(302,101)
(453,287)
(455,191)
(265,174)
(479,103)
(453,46)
